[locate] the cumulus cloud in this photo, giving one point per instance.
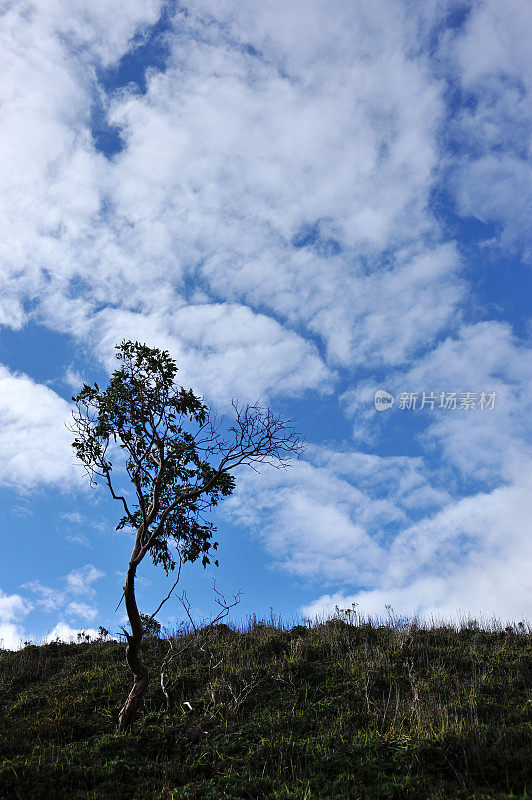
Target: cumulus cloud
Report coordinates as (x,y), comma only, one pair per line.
(493,64)
(486,357)
(283,184)
(34,441)
(474,556)
(489,444)
(463,554)
(51,174)
(272,164)
(78,538)
(66,633)
(222,350)
(284,160)
(81,610)
(331,517)
(393,528)
(13,608)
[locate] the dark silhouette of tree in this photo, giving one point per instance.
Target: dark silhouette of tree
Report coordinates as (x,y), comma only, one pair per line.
(179,460)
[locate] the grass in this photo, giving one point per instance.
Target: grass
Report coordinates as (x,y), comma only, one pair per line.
(338,710)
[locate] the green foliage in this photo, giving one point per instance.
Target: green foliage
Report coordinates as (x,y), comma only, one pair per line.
(150,626)
(167,442)
(334,711)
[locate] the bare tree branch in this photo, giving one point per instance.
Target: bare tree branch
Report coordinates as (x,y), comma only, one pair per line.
(161,604)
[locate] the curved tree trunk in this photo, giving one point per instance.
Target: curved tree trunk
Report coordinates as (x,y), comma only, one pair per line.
(140,673)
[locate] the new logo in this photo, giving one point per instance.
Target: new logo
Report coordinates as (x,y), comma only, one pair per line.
(383,400)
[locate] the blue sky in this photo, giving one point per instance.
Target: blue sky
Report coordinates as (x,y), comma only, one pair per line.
(307,202)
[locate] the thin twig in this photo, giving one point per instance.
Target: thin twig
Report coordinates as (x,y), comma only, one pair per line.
(171,590)
(119,604)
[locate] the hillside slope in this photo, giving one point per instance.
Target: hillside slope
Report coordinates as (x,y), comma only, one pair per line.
(335,711)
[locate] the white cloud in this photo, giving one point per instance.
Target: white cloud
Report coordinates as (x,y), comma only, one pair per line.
(492,178)
(73,379)
(485,357)
(79,581)
(222,350)
(495,41)
(496,188)
(231,158)
(81,610)
(405,480)
(331,517)
(47,599)
(79,538)
(474,557)
(34,442)
(51,175)
(284,159)
(386,326)
(267,151)
(12,609)
(72,599)
(481,445)
(391,527)
(73,517)
(474,553)
(66,633)
(70,602)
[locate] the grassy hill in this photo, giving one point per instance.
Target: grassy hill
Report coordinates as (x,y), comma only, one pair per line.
(333,711)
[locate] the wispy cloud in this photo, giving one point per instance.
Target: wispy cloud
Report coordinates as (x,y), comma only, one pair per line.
(72,599)
(78,538)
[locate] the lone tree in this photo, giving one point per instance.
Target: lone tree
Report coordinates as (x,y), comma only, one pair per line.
(179,462)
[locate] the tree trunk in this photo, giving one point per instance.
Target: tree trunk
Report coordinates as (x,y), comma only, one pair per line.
(140,673)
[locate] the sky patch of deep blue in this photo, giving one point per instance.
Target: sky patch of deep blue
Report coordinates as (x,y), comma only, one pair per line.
(37,351)
(310,235)
(502,289)
(455,20)
(149,50)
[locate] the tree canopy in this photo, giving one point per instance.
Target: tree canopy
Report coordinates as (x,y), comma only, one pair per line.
(179,458)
